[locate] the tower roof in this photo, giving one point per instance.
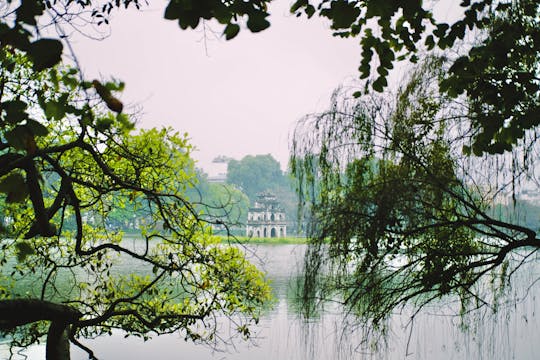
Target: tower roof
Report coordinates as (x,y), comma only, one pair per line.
(266,201)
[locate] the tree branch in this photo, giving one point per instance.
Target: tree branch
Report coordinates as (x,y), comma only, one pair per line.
(16,312)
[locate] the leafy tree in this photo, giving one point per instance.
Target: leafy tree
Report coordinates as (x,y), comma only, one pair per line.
(223,204)
(255,174)
(64,157)
(399,215)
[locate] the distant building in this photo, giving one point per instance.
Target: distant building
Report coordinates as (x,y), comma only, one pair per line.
(266,218)
(217,172)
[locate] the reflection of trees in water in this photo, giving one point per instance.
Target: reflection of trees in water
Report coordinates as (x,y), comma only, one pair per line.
(438,331)
(442,330)
(69,283)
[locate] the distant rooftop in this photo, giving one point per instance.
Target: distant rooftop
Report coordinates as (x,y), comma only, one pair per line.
(222,159)
(217,169)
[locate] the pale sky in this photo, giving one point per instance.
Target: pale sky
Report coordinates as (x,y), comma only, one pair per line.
(233,98)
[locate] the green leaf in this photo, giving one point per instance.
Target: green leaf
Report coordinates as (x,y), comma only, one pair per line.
(15,187)
(11,183)
(45,53)
(383,72)
(379,84)
(297,5)
(343,14)
(222,13)
(55,110)
(24,249)
(310,10)
(172,11)
(257,22)
(103,124)
(115,85)
(231,31)
(86,85)
(71,81)
(188,19)
(124,122)
(17,196)
(430,42)
(9,65)
(458,30)
(29,10)
(15,111)
(37,128)
(17,37)
(441,30)
(87,118)
(18,137)
(364,70)
(477,149)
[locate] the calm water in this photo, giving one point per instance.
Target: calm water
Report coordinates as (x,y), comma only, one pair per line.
(510,334)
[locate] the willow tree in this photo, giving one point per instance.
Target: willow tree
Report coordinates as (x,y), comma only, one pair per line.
(66,160)
(399,216)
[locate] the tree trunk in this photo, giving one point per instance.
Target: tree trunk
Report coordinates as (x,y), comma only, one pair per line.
(57,342)
(17,312)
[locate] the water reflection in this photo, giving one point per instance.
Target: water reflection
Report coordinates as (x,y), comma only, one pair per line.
(282,334)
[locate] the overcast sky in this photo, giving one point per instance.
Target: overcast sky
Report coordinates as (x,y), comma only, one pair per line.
(234,97)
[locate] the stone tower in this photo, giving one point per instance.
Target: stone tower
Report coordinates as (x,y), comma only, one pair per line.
(266,219)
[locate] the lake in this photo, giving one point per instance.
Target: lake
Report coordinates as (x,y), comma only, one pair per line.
(511,333)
